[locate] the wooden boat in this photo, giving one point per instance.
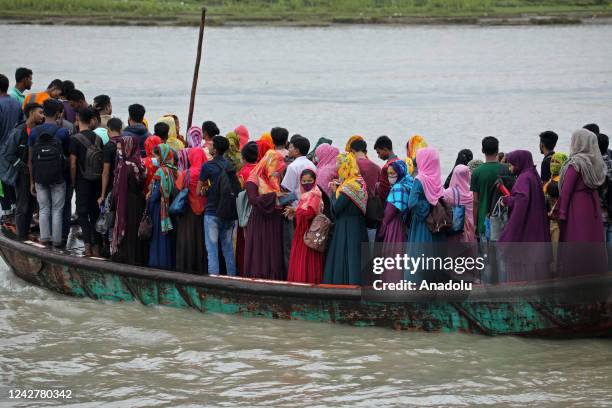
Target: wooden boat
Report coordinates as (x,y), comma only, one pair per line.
(571,308)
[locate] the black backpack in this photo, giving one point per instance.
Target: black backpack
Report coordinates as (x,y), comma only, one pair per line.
(48,159)
(94,159)
(227,188)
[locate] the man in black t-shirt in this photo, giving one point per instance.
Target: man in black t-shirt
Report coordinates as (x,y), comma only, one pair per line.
(87,191)
(109,154)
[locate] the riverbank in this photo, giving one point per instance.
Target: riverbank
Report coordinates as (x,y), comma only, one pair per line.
(306,13)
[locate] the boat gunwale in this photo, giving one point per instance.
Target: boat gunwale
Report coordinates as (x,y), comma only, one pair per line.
(290,289)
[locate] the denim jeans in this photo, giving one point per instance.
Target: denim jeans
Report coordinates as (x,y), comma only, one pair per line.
(215,230)
(51,204)
(608,231)
(67,211)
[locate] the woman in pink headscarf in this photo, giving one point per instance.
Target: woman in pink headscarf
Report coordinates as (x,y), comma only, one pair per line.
(425,193)
(243,134)
(326,166)
(458,193)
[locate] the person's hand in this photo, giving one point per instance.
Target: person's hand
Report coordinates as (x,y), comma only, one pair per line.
(334,184)
(33,190)
(100,200)
(289,212)
(281,194)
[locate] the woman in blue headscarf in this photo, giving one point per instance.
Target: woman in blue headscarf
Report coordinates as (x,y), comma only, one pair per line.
(393,228)
(393,231)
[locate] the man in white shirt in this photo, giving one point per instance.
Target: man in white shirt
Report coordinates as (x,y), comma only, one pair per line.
(298,149)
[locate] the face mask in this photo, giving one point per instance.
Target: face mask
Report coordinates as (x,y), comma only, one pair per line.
(155,162)
(392,179)
(308,186)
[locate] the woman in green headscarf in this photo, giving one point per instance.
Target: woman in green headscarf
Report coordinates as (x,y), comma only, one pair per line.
(551,192)
(233,153)
(161,245)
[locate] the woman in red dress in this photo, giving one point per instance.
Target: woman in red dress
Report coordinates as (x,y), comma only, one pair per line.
(305,264)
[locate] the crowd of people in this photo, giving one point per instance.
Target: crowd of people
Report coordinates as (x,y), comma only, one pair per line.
(276,207)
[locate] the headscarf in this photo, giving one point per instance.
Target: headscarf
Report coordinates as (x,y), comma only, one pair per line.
(183,159)
(463,157)
(321,140)
(415,143)
(521,161)
(266,174)
(326,165)
(180,137)
(347,147)
(194,136)
(310,199)
(150,143)
(196,159)
(460,180)
(352,184)
(264,144)
(400,191)
(128,162)
(165,174)
(233,153)
(172,141)
(586,159)
(243,134)
(429,174)
(474,164)
(557,161)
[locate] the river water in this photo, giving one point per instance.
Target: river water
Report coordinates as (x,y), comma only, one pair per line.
(453,85)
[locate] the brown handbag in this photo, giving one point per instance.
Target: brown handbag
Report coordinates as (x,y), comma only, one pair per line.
(440,218)
(145,229)
(318,234)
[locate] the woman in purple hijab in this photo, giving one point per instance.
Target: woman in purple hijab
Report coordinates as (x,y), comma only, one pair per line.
(528,221)
(523,260)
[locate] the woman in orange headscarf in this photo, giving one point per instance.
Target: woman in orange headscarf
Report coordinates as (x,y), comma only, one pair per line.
(353,138)
(264,144)
(414,144)
(264,232)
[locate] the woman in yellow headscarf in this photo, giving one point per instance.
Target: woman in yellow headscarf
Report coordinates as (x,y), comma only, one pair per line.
(172,141)
(233,153)
(415,143)
(343,263)
(353,138)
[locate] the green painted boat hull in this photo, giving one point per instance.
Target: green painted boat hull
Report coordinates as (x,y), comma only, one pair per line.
(578,308)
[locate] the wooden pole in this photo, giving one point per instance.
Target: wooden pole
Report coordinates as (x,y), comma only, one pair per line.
(194,84)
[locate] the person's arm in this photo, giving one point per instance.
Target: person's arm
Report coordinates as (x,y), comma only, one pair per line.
(32,186)
(265,202)
(289,180)
(390,213)
(73,169)
(204,179)
(105,177)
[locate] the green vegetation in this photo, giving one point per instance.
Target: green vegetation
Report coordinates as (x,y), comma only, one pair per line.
(297,11)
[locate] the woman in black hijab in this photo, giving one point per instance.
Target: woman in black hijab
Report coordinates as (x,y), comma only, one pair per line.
(463,157)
